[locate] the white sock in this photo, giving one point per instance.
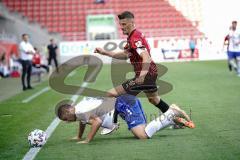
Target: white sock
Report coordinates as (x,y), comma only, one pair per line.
(233,63)
(158,124)
(169,113)
(238,65)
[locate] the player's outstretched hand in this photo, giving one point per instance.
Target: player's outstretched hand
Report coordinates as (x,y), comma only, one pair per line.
(76,138)
(99,50)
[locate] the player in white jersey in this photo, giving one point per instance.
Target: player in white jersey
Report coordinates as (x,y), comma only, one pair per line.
(233,39)
(94,111)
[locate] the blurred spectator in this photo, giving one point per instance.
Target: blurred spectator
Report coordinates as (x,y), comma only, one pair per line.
(36,61)
(232,40)
(192,46)
(4,71)
(52,53)
(15,66)
(26,54)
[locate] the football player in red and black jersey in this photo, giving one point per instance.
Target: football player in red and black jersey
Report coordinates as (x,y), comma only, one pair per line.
(138,51)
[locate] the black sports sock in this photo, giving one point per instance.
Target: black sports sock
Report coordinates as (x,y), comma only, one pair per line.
(162,106)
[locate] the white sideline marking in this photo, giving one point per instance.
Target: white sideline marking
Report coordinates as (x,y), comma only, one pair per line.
(35,95)
(32,153)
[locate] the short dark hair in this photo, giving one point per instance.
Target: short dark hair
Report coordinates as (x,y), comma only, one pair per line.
(24,34)
(126,14)
(62,109)
(234,21)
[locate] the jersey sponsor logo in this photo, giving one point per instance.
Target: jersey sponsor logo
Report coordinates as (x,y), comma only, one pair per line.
(138,44)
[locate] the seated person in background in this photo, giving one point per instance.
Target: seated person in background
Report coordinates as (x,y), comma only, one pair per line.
(36,61)
(4,69)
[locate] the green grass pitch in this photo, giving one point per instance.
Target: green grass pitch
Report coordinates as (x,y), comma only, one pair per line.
(207,88)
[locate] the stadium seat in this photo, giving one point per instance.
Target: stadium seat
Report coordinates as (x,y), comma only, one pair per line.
(69,16)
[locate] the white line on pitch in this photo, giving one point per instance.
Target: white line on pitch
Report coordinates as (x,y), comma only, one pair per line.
(31,154)
(35,95)
(72,74)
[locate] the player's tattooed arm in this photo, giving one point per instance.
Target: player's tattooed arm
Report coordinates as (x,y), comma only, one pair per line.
(118,55)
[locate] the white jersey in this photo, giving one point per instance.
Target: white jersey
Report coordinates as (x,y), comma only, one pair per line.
(93,107)
(234,40)
(25,47)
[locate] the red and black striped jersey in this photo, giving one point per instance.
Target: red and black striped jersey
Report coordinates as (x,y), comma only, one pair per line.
(136,41)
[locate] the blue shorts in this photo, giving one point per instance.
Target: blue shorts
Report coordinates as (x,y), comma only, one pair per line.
(233,55)
(130,110)
(135,120)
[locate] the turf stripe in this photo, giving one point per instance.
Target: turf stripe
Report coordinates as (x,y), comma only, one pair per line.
(35,95)
(31,154)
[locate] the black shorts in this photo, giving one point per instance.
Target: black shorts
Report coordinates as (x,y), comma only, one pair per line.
(148,86)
